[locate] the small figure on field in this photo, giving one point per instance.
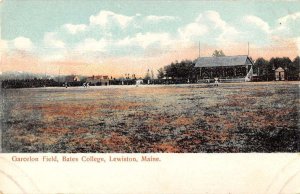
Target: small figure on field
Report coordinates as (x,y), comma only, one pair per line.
(216,81)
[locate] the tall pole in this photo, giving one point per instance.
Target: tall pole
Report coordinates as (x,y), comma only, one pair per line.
(199,58)
(45,73)
(199,49)
(248,49)
(59,75)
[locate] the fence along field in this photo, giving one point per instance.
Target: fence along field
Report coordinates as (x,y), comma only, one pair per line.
(236,117)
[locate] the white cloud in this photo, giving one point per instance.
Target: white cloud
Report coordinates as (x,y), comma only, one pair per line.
(23,43)
(75,28)
(105,18)
(193,30)
(288,18)
(229,35)
(91,45)
(212,19)
(156,18)
(259,31)
(51,40)
(208,25)
(289,25)
(147,39)
(223,31)
(256,21)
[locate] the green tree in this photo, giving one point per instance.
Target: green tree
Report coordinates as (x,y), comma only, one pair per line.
(171,70)
(261,68)
(293,71)
(147,76)
(218,53)
(181,70)
(160,73)
(277,62)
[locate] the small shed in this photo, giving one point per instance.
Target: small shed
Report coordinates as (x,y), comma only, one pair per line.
(279,74)
(138,82)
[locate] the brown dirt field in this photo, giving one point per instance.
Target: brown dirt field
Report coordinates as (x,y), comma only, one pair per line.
(234,117)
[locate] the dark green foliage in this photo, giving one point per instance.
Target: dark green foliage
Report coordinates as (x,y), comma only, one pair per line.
(266,69)
(294,69)
(181,70)
(160,73)
(260,67)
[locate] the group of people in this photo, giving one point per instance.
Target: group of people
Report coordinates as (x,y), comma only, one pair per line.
(86,84)
(216,82)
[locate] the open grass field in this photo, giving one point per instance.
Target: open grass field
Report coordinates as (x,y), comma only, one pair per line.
(236,117)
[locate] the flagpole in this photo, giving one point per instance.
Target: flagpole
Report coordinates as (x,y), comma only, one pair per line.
(248,48)
(199,49)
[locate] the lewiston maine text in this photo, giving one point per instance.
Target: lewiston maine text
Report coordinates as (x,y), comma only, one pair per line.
(86,158)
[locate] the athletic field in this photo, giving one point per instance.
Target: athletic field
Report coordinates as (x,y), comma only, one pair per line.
(233,117)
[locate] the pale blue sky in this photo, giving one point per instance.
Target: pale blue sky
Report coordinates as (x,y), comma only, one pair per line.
(98,32)
(32,18)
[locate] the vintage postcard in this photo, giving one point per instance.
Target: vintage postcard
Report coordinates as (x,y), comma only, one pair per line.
(149,96)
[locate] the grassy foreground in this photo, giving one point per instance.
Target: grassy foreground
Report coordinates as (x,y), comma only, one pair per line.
(236,117)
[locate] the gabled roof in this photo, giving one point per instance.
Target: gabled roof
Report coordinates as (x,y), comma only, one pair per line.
(223,61)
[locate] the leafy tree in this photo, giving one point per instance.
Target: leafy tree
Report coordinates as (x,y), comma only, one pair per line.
(181,70)
(171,70)
(160,73)
(293,71)
(218,53)
(147,76)
(152,74)
(261,68)
(280,62)
(277,62)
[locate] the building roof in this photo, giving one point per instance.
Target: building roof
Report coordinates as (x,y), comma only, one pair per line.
(72,78)
(225,61)
(98,77)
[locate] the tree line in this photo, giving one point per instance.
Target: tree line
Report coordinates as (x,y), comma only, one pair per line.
(264,69)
